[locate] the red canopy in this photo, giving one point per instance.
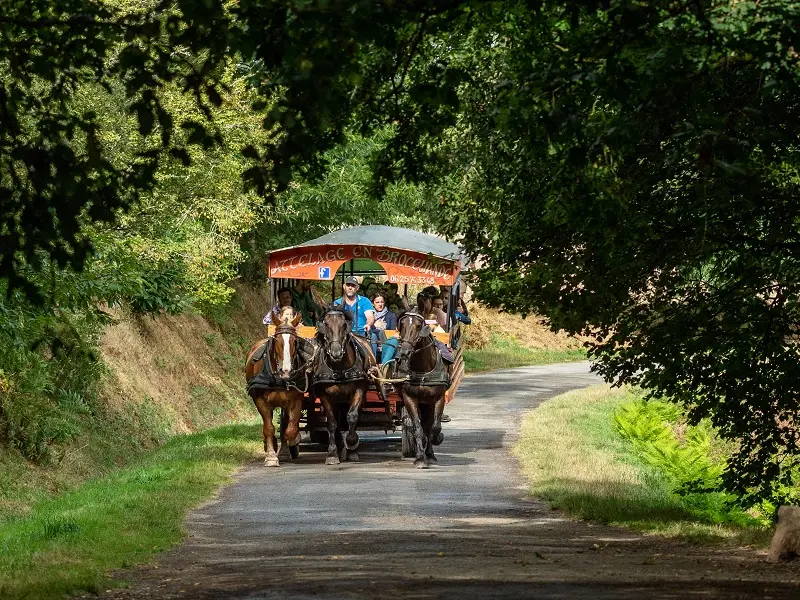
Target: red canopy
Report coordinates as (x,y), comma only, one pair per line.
(430,260)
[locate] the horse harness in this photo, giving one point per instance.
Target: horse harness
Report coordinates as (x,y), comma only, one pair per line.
(439,374)
(266,379)
(324,373)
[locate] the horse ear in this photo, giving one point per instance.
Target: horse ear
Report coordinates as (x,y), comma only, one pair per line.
(297,318)
(425,331)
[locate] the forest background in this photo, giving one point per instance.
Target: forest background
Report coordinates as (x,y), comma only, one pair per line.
(627,169)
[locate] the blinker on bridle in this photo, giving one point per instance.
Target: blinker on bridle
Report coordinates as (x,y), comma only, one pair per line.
(346,334)
(406,347)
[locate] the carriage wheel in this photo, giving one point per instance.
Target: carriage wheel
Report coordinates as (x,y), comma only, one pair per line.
(408,444)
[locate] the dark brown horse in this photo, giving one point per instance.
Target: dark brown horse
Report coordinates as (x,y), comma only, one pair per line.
(427,379)
(341,381)
(276,378)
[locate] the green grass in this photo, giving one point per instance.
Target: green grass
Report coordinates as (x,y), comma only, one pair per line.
(574,459)
(503,353)
(67,544)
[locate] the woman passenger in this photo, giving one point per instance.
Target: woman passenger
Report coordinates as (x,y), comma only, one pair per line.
(426,309)
(384,319)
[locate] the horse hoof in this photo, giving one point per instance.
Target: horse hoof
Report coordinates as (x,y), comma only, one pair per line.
(353,457)
(332,460)
(438,439)
(351,443)
(432,459)
(271,462)
(421,464)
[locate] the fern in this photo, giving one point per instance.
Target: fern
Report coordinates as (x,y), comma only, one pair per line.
(685,455)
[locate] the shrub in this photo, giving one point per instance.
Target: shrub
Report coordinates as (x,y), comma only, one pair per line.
(49,371)
(690,457)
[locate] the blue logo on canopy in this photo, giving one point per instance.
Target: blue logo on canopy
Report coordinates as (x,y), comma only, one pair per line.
(324,272)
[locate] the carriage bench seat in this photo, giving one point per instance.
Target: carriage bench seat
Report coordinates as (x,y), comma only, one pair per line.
(309,331)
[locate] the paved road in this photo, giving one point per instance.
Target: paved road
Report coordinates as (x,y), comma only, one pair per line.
(461,530)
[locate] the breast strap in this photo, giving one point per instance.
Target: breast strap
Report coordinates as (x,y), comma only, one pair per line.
(439,375)
(324,373)
(266,379)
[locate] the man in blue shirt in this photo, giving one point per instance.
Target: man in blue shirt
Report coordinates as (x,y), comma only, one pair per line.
(360,307)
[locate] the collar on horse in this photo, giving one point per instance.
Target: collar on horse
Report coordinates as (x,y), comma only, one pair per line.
(266,379)
(439,374)
(324,373)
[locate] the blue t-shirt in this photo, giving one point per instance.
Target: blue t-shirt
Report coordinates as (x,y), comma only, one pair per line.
(361,306)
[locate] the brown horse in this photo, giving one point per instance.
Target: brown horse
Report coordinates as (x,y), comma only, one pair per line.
(427,379)
(276,378)
(341,380)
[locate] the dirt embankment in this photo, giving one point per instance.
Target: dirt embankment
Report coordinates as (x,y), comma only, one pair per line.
(531,332)
(187,368)
(164,375)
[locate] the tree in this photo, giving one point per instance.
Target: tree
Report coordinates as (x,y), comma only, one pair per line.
(632,172)
(625,168)
(319,64)
(340,198)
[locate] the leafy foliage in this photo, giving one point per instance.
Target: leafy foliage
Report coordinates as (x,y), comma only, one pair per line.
(54,165)
(340,198)
(630,171)
(48,368)
(690,457)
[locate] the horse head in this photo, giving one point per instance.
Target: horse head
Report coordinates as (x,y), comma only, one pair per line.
(412,331)
(284,347)
(334,327)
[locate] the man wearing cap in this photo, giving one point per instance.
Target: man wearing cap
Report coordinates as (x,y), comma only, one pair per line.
(360,307)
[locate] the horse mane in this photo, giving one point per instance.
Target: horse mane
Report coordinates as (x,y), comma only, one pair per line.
(407,311)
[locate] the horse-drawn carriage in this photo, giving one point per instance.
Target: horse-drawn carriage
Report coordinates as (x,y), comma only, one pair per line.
(404,257)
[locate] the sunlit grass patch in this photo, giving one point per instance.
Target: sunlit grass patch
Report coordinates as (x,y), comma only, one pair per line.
(505,353)
(67,544)
(575,460)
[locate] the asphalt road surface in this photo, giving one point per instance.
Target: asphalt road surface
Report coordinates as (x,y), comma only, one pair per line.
(463,529)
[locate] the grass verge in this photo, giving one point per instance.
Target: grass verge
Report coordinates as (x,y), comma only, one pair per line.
(67,544)
(574,459)
(505,353)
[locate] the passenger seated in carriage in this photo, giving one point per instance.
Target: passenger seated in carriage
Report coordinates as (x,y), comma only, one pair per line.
(393,297)
(424,308)
(359,306)
(384,319)
(284,299)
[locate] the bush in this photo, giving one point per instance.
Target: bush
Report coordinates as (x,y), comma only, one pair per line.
(691,458)
(161,289)
(49,371)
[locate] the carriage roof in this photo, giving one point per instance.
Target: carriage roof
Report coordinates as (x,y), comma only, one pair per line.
(407,256)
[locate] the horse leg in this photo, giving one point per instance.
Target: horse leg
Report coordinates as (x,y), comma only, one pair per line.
(428,415)
(293,428)
(413,410)
(265,410)
(341,419)
(437,437)
(333,455)
(283,448)
(351,441)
